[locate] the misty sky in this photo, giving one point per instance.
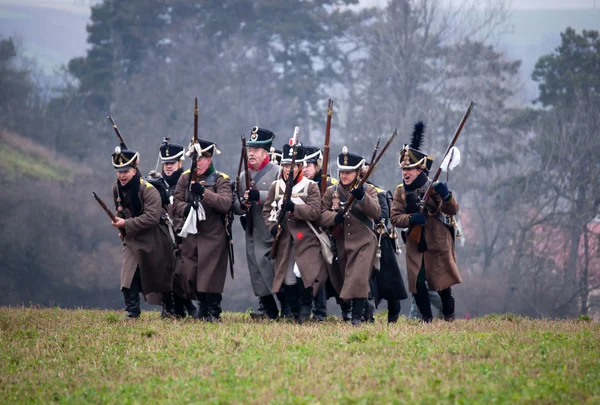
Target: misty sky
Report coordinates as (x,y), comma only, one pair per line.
(523,4)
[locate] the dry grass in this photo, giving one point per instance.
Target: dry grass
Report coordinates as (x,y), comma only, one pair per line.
(91,356)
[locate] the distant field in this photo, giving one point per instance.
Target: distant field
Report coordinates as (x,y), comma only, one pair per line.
(92,356)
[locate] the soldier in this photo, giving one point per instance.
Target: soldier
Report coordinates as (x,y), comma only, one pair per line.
(386,281)
(147,248)
(206,251)
(355,240)
(258,237)
(312,170)
(298,262)
(433,257)
(171,157)
(275,156)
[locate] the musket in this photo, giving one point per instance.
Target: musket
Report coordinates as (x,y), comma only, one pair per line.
(248,186)
(326,148)
(416,230)
(109,212)
(289,184)
(122,145)
(194,172)
(239,172)
(337,229)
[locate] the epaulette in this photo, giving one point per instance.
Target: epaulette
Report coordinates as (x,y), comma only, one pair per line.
(400,185)
(188,171)
(223,175)
(333,181)
(379,190)
(148,185)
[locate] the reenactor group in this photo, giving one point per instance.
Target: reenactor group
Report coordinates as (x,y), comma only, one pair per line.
(334,240)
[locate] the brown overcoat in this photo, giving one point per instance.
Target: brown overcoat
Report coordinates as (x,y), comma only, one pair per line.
(440,258)
(205,254)
(297,242)
(357,244)
(147,243)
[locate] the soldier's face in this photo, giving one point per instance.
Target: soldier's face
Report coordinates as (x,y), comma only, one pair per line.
(310,170)
(202,165)
(285,169)
(409,175)
(171,167)
(256,156)
(348,178)
(125,177)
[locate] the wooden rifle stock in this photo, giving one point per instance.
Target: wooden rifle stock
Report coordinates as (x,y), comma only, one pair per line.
(108,212)
(415,232)
(289,184)
(326,148)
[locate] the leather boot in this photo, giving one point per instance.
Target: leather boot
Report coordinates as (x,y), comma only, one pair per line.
(260,313)
(213,303)
(286,306)
(168,305)
(203,307)
(320,305)
(447,304)
(369,311)
(358,310)
(346,307)
(270,305)
(305,300)
(192,307)
(393,310)
(132,303)
(178,306)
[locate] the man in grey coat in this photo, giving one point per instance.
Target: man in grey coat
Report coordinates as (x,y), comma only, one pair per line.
(262,173)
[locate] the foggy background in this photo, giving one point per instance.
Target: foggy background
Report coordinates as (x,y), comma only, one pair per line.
(527,184)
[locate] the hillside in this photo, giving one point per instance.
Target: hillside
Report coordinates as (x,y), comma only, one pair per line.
(91,356)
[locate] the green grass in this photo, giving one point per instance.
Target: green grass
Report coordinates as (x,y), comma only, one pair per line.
(14,162)
(92,356)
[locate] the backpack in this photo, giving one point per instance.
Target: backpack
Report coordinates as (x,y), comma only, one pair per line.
(160,185)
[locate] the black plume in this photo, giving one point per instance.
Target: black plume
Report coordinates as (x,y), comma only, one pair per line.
(417,136)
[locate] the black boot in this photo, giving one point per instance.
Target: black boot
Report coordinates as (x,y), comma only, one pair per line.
(447,304)
(270,305)
(369,311)
(305,300)
(203,307)
(289,298)
(358,310)
(320,305)
(422,297)
(168,305)
(132,303)
(346,307)
(132,296)
(260,313)
(192,307)
(178,306)
(213,303)
(284,300)
(393,310)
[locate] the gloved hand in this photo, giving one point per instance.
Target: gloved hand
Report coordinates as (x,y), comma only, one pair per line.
(253,195)
(339,218)
(198,189)
(442,190)
(290,206)
(358,193)
(188,208)
(417,219)
(274,231)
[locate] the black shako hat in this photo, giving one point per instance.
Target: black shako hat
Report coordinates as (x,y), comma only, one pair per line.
(171,152)
(261,138)
(124,159)
(287,153)
(349,162)
(411,155)
(313,155)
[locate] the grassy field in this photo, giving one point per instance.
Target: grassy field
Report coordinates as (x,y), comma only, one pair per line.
(93,356)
